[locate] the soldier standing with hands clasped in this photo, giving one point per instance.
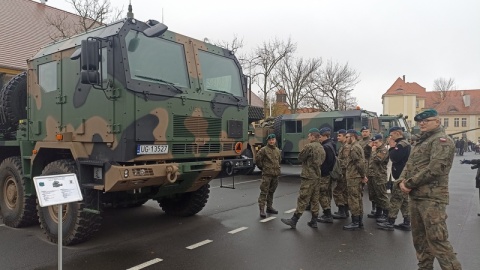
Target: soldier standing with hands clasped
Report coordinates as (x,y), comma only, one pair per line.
(268,160)
(377,171)
(312,156)
(425,179)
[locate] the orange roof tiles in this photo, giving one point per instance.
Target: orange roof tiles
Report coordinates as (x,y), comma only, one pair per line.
(400,87)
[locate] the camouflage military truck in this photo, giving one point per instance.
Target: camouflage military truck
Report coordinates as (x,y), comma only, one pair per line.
(388,121)
(136,111)
(291,130)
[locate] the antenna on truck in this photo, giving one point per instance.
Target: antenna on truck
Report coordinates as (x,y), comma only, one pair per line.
(130,13)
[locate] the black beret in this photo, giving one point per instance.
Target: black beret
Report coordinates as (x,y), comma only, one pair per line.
(324,130)
(425,114)
(392,129)
(363,128)
(342,131)
(271,136)
(377,137)
(352,131)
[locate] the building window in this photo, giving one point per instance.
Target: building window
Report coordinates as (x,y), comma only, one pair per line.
(456,122)
(445,122)
(417,103)
(464,122)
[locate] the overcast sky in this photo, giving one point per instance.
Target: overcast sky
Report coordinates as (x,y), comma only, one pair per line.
(381,39)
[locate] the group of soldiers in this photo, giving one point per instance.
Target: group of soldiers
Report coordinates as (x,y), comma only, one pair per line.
(420,189)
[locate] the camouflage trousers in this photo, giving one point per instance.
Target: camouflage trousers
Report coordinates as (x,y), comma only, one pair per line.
(380,192)
(398,201)
(371,190)
(325,192)
(354,191)
(340,192)
(430,235)
(267,188)
(308,195)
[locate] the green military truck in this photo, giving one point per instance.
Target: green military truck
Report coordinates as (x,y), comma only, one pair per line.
(388,121)
(135,111)
(291,130)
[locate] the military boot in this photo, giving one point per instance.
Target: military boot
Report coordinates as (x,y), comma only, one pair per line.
(374,208)
(313,222)
(377,214)
(262,211)
(383,217)
(292,222)
(360,221)
(347,210)
(326,217)
(355,225)
(271,210)
(388,226)
(405,226)
(341,214)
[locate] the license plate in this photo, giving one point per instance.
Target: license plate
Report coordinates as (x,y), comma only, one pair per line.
(152,149)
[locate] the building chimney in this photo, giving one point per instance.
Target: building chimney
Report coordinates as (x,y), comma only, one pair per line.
(466,100)
(43,1)
(403,78)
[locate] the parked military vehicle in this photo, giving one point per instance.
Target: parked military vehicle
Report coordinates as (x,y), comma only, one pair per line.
(388,121)
(136,111)
(291,130)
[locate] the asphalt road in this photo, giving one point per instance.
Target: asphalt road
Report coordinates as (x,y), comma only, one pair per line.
(229,234)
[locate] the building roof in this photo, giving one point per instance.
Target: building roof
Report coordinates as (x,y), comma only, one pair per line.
(256,100)
(25,30)
(401,87)
(454,102)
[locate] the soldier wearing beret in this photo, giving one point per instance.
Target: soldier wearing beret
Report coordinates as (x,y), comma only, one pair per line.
(399,152)
(340,191)
(268,159)
(425,179)
(366,144)
(377,176)
(356,175)
(312,156)
(325,181)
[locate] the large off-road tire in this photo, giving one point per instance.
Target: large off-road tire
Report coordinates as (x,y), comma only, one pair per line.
(17,209)
(78,224)
(13,100)
(186,204)
(277,127)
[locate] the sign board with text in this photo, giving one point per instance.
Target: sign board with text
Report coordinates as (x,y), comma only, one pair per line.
(57,189)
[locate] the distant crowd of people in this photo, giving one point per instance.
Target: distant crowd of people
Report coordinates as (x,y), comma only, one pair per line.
(462,145)
(419,173)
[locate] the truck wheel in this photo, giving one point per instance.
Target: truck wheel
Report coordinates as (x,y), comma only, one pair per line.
(277,127)
(78,223)
(17,209)
(186,204)
(14,100)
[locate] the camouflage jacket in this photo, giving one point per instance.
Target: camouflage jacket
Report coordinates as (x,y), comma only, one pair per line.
(355,162)
(268,160)
(367,150)
(312,156)
(428,166)
(343,154)
(378,164)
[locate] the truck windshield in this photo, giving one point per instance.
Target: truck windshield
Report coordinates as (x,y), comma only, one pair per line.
(156,60)
(220,73)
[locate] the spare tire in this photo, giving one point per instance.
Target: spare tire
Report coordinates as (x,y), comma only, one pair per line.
(13,101)
(277,127)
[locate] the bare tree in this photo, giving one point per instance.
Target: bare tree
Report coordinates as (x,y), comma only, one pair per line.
(443,86)
(295,76)
(234,46)
(92,14)
(265,59)
(335,82)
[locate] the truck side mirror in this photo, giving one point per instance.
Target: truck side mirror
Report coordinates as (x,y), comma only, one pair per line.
(156,30)
(90,58)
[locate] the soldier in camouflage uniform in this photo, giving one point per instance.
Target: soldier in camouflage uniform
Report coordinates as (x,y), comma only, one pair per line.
(356,176)
(325,180)
(340,190)
(377,171)
(425,179)
(268,159)
(312,156)
(398,152)
(366,144)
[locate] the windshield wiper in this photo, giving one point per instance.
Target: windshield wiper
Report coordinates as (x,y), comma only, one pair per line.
(160,80)
(223,92)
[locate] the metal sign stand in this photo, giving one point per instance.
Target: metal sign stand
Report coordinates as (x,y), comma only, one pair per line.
(60,236)
(233,182)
